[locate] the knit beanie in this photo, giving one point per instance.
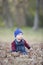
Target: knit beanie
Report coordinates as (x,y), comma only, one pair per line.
(17,31)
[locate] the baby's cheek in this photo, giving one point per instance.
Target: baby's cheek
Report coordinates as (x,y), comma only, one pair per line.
(18,37)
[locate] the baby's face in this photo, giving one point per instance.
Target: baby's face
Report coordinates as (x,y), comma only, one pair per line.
(19,37)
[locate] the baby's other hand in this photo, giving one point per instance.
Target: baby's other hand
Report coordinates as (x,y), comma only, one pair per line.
(15,54)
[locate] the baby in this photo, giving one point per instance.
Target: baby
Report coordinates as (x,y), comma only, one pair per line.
(19,44)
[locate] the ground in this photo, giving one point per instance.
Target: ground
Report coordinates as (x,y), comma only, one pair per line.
(34,38)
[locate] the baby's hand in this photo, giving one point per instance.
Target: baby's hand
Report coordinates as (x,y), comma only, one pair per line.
(15,54)
(31,52)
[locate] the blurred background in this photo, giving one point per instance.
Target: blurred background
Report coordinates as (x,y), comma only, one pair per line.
(25,14)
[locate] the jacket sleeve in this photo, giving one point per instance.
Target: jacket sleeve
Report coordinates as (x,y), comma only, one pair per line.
(13,46)
(27,45)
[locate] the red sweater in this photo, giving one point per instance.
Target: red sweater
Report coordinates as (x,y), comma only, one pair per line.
(13,45)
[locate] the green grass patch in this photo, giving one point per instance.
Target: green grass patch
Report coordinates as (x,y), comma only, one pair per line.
(29,34)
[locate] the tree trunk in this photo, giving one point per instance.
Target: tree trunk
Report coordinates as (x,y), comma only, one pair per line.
(1,7)
(6,14)
(36,19)
(19,14)
(41,3)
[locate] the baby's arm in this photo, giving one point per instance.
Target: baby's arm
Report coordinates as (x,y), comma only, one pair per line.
(27,45)
(13,46)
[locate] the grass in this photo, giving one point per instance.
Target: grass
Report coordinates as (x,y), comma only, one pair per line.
(29,34)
